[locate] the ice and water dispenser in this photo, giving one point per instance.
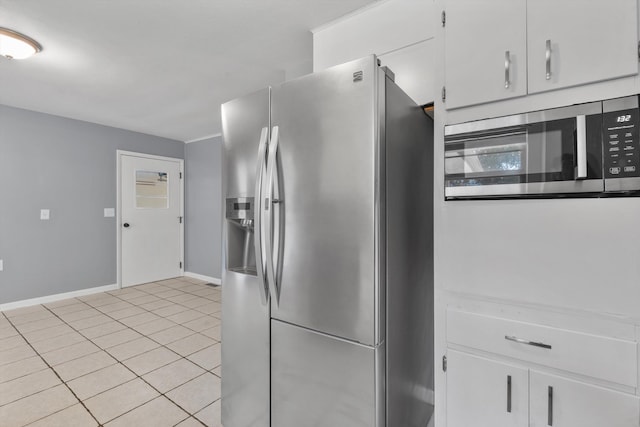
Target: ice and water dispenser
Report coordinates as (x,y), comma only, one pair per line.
(240,244)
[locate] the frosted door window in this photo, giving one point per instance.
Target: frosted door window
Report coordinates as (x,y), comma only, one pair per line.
(151,190)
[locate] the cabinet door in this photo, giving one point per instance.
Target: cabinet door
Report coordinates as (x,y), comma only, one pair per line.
(560,402)
(584,41)
(482,392)
(485,51)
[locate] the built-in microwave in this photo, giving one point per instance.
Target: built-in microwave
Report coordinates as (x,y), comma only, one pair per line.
(582,150)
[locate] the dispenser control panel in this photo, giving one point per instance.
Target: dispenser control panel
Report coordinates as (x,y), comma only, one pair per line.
(240,208)
(621,143)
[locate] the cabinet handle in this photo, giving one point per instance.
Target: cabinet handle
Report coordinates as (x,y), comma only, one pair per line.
(509,393)
(550,407)
(548,57)
(527,342)
(507,70)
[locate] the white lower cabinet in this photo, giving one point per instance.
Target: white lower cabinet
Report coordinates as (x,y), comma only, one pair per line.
(560,402)
(497,375)
(483,392)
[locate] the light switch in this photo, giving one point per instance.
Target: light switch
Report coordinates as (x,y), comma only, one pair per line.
(109,212)
(44,214)
(1,264)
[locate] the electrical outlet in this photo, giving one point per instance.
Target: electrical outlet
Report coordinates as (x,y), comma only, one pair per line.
(44,214)
(1,264)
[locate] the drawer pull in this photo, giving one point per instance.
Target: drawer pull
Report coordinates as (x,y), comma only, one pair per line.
(527,342)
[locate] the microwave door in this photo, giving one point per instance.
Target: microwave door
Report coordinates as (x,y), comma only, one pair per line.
(459,163)
(540,153)
(487,160)
(486,166)
(565,154)
(552,151)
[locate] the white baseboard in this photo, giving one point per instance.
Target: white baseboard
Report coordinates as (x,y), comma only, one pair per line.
(202,277)
(56,297)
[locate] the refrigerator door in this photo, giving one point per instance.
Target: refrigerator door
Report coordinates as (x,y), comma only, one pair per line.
(327,168)
(320,381)
(245,354)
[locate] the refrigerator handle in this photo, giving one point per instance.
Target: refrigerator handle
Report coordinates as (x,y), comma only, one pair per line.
(270,201)
(257,215)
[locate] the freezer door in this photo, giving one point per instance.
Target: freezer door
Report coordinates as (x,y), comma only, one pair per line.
(245,354)
(326,168)
(242,123)
(320,381)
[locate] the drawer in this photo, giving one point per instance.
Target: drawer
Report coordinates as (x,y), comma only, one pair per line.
(596,356)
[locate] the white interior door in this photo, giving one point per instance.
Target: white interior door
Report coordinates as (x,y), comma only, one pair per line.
(150,219)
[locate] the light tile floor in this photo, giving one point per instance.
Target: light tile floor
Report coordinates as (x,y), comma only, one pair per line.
(147,355)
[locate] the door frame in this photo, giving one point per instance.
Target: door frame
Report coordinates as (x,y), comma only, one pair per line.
(119,155)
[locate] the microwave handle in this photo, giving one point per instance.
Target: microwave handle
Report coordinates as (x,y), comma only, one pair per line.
(507,69)
(581,146)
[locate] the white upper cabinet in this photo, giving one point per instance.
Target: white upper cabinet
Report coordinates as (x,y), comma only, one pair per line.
(573,42)
(400,32)
(486,51)
(500,49)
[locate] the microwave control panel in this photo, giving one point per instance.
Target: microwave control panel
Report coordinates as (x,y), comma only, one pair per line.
(621,143)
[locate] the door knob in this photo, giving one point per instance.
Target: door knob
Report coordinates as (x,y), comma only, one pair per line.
(125,225)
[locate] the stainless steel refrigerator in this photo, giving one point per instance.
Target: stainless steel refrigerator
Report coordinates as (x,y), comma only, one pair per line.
(328,271)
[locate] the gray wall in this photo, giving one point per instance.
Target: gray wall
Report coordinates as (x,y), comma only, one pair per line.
(203,207)
(69,167)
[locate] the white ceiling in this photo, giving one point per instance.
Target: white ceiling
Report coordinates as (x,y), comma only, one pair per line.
(161,67)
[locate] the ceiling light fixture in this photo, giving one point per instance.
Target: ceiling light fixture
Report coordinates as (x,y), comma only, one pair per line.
(14,45)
